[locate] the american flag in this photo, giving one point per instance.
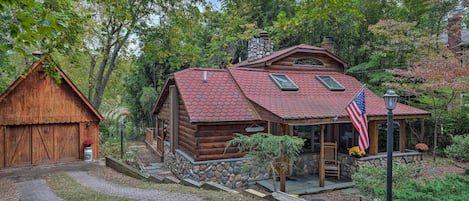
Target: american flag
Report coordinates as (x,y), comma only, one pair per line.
(357,113)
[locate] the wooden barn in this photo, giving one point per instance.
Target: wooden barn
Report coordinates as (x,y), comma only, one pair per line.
(43,120)
(300,91)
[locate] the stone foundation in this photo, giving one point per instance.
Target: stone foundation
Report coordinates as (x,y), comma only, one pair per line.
(352,164)
(226,172)
(308,164)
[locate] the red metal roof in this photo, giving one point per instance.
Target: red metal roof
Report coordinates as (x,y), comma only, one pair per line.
(227,93)
(313,99)
(218,99)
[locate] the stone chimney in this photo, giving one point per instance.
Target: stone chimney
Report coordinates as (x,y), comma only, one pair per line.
(260,47)
(328,44)
(454,32)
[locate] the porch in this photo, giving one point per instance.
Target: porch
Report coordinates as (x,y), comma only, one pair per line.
(308,184)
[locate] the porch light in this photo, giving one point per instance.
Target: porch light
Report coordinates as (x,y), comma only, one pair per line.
(390,99)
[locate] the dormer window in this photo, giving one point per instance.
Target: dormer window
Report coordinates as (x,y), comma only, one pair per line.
(284,82)
(308,62)
(330,83)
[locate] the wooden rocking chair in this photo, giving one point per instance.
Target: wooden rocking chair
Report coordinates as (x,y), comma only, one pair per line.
(331,162)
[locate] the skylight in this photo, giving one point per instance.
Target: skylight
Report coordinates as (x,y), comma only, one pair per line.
(283,82)
(330,83)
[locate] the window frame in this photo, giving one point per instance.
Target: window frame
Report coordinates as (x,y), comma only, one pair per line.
(331,88)
(279,85)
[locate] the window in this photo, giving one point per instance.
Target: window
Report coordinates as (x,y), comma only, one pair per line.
(283,82)
(330,83)
(308,62)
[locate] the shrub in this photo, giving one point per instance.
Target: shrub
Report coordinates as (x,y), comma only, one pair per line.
(421,147)
(371,180)
(112,147)
(451,187)
(459,150)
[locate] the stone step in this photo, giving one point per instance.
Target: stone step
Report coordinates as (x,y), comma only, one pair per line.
(158,171)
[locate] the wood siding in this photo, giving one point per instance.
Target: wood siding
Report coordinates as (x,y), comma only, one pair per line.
(2,146)
(288,62)
(45,122)
(18,146)
(186,138)
(39,100)
(39,144)
(212,139)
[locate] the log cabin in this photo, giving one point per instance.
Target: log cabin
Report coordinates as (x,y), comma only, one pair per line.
(300,91)
(45,120)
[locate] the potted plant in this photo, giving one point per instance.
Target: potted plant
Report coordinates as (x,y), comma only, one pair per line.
(421,147)
(355,152)
(88,142)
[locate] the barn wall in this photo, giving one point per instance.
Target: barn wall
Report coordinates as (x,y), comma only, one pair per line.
(40,100)
(211,140)
(329,63)
(89,130)
(2,146)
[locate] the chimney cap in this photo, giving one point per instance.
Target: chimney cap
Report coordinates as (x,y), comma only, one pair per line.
(264,34)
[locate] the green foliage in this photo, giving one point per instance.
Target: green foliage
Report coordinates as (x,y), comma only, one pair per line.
(371,180)
(459,149)
(450,187)
(267,151)
(111,146)
(49,26)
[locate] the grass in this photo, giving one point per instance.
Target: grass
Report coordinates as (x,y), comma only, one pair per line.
(68,189)
(113,176)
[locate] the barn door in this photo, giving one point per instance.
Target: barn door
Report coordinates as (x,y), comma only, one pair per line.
(67,140)
(17,146)
(42,144)
(2,147)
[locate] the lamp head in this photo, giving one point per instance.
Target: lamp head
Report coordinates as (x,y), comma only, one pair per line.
(390,99)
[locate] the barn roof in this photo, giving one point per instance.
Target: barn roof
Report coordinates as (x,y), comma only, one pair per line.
(65,79)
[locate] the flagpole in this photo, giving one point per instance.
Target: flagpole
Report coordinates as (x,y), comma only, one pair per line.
(356,94)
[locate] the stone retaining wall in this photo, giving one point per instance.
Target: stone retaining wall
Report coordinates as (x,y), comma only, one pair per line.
(226,172)
(353,164)
(308,164)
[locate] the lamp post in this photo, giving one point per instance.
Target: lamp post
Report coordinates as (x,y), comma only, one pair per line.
(390,99)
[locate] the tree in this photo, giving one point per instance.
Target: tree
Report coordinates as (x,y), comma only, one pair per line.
(112,28)
(436,80)
(269,152)
(47,26)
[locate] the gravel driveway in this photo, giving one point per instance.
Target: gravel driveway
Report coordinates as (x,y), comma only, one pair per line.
(109,188)
(30,184)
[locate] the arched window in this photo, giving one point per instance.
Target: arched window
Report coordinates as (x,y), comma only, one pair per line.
(308,62)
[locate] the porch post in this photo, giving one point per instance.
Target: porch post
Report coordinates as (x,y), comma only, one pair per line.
(373,131)
(402,132)
(321,157)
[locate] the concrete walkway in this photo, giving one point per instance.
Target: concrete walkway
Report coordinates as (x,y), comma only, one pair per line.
(109,188)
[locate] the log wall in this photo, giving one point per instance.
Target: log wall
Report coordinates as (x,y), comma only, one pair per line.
(211,140)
